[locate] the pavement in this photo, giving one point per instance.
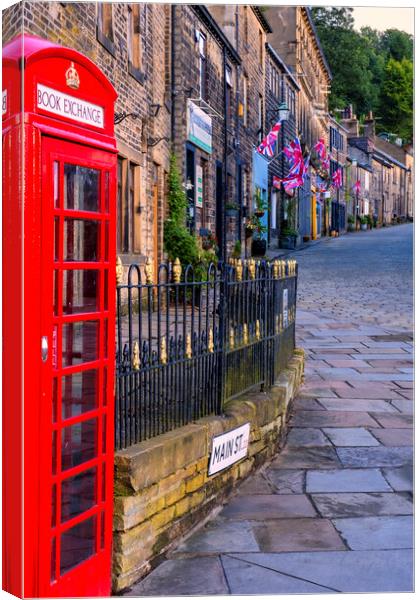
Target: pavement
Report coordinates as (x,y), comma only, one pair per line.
(333,511)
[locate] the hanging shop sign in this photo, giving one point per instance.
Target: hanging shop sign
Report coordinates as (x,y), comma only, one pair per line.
(228,448)
(199,127)
(199,186)
(58,103)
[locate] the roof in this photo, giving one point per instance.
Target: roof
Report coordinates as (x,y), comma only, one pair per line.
(282,65)
(259,12)
(202,12)
(312,24)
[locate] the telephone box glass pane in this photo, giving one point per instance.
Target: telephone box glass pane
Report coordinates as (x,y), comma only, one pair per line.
(81,238)
(77,544)
(78,494)
(79,393)
(78,444)
(81,188)
(80,291)
(80,342)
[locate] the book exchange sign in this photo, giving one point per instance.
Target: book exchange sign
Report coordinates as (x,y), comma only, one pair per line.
(73,108)
(228,448)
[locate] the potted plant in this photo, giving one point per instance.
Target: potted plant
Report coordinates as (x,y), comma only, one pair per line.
(288,238)
(260,205)
(363,223)
(351,223)
(231,209)
(259,244)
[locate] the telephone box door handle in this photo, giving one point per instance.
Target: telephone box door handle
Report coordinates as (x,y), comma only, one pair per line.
(44,348)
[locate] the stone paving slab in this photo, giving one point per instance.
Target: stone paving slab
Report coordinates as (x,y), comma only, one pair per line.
(361,571)
(394,437)
(184,577)
(286,481)
(350,436)
(395,421)
(379,456)
(404,406)
(264,507)
(306,404)
(346,480)
(292,535)
(357,404)
(362,504)
(306,458)
(219,536)
(306,437)
(244,577)
(313,418)
(400,478)
(376,533)
(255,485)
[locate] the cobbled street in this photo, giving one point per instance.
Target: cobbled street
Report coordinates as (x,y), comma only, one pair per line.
(333,511)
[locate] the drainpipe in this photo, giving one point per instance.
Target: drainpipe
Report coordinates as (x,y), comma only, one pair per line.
(225,154)
(173,93)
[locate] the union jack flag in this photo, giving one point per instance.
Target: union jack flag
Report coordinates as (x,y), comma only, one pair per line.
(268,145)
(337,179)
(298,166)
(357,187)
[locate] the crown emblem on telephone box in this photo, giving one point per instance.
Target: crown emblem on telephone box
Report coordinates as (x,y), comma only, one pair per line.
(72,77)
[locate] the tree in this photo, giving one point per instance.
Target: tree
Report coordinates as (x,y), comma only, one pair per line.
(397,44)
(396,107)
(346,54)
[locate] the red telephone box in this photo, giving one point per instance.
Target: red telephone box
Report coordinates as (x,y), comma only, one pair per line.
(59,187)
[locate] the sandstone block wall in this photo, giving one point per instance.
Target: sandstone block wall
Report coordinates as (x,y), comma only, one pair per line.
(162,489)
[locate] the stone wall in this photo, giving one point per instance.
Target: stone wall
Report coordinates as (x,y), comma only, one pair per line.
(162,489)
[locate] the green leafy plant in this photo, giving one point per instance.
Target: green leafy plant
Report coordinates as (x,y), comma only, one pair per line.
(237,250)
(350,219)
(260,204)
(254,224)
(231,206)
(289,231)
(179,242)
(363,220)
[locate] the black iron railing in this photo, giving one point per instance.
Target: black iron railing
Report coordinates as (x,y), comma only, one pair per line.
(187,345)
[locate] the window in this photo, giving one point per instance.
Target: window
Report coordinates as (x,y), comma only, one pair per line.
(202,43)
(104,28)
(246,26)
(134,41)
(129,210)
(228,93)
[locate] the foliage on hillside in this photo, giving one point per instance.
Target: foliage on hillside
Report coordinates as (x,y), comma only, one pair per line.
(372,70)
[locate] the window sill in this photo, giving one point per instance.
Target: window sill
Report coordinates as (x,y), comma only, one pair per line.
(136,73)
(105,42)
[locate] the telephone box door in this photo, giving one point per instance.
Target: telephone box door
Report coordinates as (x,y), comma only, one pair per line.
(77,363)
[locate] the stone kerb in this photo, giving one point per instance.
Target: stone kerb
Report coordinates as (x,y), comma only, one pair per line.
(162,489)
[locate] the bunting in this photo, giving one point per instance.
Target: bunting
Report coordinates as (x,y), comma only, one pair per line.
(357,187)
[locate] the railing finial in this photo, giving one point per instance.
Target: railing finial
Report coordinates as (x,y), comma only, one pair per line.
(148,269)
(119,270)
(177,270)
(135,360)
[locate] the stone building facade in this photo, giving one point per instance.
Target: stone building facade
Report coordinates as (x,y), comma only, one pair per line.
(127,42)
(280,87)
(295,40)
(335,214)
(246,29)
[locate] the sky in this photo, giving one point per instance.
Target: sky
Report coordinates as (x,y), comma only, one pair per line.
(382,18)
